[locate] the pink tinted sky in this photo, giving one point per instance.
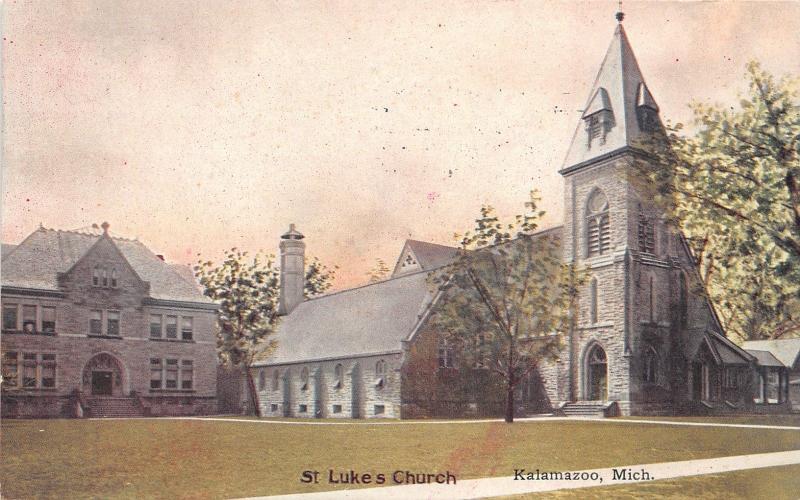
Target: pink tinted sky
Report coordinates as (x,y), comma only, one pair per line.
(197,126)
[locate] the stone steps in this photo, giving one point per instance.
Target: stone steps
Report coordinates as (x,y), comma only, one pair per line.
(584,409)
(114,408)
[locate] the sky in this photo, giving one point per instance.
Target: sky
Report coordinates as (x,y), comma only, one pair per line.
(201,126)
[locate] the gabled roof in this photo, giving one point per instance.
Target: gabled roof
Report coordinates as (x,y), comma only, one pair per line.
(427,255)
(786,350)
(618,88)
(765,358)
(725,351)
(36,262)
(371,319)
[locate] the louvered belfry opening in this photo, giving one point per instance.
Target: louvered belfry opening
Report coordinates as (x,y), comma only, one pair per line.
(598,225)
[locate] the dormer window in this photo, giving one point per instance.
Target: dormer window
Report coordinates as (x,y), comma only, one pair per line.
(646,110)
(599,118)
(96,276)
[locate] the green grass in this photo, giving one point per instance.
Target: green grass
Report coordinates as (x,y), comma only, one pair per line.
(784,420)
(218,459)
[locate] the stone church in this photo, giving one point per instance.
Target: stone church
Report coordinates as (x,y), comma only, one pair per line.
(645,342)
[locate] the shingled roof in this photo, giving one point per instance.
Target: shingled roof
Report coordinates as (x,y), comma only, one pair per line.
(371,319)
(36,262)
(786,350)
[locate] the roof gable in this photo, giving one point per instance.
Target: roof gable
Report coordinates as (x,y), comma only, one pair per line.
(44,254)
(423,256)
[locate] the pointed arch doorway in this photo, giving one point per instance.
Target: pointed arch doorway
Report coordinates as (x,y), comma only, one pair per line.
(596,370)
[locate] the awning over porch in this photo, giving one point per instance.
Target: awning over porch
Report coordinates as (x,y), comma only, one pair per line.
(765,358)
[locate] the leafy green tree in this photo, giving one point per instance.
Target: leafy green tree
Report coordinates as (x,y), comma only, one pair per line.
(247,290)
(733,187)
(379,272)
(508,300)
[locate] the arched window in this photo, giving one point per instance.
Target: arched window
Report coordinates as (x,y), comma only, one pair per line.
(338,376)
(683,301)
(445,354)
(276,380)
(380,374)
(114,279)
(647,233)
(598,225)
(96,276)
(262,380)
(650,365)
(304,379)
(105,277)
(593,301)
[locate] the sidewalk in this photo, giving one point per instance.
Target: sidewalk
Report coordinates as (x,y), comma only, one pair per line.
(502,486)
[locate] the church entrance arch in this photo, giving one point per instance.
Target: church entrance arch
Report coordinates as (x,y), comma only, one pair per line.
(596,374)
(103,376)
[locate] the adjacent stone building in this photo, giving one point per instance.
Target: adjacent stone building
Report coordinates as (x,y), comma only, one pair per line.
(95,325)
(646,341)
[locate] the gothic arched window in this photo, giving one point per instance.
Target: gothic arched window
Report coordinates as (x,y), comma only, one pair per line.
(262,380)
(593,301)
(96,276)
(683,301)
(647,233)
(598,225)
(380,374)
(650,365)
(338,376)
(276,377)
(304,379)
(114,277)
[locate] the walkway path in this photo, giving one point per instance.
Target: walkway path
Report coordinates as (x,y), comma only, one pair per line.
(521,420)
(501,486)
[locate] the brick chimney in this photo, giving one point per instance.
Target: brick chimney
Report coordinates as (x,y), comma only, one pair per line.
(293,250)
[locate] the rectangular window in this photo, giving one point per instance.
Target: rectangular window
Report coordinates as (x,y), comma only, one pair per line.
(112,323)
(379,409)
(96,322)
(187,374)
(155,326)
(187,328)
(337,408)
(29,319)
(9,316)
(273,408)
(155,373)
(49,319)
(303,408)
(772,389)
(48,370)
(10,369)
(172,327)
(172,374)
(29,371)
(729,378)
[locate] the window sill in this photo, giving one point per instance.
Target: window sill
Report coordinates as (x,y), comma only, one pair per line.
(96,336)
(22,332)
(183,341)
(591,326)
(172,391)
(11,391)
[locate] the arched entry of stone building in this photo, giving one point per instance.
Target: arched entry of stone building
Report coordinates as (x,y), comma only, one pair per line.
(596,374)
(103,375)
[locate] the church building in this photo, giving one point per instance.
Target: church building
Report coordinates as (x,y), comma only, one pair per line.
(645,342)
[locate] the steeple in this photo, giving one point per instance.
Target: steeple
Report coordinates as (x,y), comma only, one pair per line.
(619,110)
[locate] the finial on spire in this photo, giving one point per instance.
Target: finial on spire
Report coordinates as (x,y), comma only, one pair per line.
(620,15)
(105,226)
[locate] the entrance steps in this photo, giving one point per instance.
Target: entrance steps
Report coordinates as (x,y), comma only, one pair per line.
(108,407)
(597,409)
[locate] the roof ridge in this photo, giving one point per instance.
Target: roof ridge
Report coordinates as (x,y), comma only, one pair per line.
(81,233)
(365,285)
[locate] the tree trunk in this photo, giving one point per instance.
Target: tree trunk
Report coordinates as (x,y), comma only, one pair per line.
(509,403)
(251,386)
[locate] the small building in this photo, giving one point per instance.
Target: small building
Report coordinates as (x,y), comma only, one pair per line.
(779,370)
(98,325)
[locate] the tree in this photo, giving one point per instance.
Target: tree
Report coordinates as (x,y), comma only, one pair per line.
(507,300)
(733,187)
(379,272)
(247,292)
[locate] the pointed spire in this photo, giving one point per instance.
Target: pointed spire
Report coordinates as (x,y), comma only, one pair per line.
(620,93)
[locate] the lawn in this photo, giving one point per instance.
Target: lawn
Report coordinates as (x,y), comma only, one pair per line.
(219,459)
